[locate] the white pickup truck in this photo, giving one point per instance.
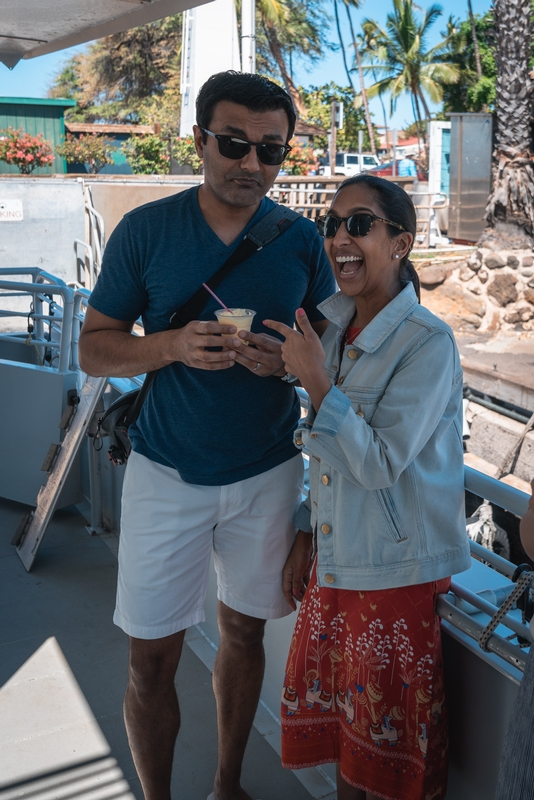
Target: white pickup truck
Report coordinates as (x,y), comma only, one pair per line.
(349,164)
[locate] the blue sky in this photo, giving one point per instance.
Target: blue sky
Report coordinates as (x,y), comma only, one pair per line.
(32,78)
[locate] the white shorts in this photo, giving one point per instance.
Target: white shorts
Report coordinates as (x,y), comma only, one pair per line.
(168,530)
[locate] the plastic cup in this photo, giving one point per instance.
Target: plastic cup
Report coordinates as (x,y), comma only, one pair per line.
(240,317)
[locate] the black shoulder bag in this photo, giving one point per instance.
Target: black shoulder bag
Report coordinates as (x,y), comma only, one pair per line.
(125,410)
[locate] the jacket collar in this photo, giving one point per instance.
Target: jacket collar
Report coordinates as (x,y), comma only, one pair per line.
(339,309)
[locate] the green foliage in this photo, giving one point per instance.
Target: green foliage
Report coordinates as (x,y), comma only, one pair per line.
(300,30)
(91,149)
(300,160)
(147,155)
(318,101)
(184,152)
(471,93)
(398,55)
(25,151)
(121,77)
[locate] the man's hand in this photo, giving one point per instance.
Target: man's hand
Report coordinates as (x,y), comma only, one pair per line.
(264,359)
(108,347)
(297,569)
(188,345)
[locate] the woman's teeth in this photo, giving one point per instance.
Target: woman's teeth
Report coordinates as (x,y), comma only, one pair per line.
(344,262)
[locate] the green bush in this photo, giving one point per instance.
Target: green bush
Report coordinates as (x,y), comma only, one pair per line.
(147,155)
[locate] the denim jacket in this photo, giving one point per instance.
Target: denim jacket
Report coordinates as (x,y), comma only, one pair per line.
(386,457)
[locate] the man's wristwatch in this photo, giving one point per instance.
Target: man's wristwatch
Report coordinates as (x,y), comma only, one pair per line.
(289,378)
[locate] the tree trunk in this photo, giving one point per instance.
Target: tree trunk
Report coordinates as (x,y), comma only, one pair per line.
(475,39)
(510,208)
(478,65)
(362,86)
(340,37)
(276,50)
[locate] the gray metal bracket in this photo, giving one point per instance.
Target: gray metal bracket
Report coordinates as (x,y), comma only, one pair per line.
(33,526)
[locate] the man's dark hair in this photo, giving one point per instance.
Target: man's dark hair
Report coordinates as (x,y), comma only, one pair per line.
(246,89)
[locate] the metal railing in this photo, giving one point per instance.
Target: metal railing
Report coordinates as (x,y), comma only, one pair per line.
(51,320)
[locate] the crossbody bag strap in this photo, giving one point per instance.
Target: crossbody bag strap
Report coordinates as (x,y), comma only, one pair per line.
(269,228)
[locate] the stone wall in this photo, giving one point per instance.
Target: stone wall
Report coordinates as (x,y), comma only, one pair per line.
(488,291)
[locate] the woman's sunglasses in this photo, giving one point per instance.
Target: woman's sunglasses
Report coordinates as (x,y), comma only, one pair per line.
(357,224)
(235,148)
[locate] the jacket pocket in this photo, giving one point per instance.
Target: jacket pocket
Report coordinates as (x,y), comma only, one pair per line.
(364,401)
(389,511)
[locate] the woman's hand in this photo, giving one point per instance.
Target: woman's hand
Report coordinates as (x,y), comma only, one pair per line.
(297,569)
(304,356)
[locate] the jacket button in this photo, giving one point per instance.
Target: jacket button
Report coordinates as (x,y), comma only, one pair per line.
(360,413)
(298,441)
(325,528)
(352,354)
(325,480)
(339,381)
(329,578)
(313,435)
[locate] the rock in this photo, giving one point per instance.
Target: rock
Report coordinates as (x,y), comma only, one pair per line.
(492,319)
(512,261)
(466,274)
(526,313)
(474,286)
(512,316)
(432,276)
(475,260)
(528,294)
(527,273)
(531,283)
(458,308)
(483,276)
(527,261)
(503,289)
(494,261)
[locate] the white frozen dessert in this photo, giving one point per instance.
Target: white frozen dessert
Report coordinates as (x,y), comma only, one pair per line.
(240,317)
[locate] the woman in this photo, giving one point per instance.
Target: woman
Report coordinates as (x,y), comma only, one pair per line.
(364,679)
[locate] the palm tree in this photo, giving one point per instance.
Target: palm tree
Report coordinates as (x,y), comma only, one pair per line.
(291,26)
(363,92)
(475,39)
(341,42)
(399,54)
(510,208)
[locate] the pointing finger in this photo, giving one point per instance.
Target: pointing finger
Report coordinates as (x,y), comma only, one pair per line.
(277,326)
(302,320)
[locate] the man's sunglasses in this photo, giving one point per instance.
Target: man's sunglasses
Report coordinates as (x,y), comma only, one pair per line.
(357,224)
(236,148)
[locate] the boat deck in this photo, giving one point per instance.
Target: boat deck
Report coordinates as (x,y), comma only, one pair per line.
(63,674)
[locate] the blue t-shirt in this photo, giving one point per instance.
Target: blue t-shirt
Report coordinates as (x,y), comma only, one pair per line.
(214,427)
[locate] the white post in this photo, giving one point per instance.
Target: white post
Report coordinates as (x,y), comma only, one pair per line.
(248,36)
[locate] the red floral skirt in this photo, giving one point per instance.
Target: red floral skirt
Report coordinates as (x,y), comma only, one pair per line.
(364,687)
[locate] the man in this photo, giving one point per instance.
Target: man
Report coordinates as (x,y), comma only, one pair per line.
(213,461)
(407,167)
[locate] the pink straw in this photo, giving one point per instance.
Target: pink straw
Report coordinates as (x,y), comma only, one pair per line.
(217,298)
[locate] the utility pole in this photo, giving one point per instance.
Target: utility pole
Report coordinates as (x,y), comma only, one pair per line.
(248,36)
(336,121)
(333,143)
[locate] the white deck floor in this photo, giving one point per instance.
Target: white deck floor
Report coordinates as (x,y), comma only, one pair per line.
(63,673)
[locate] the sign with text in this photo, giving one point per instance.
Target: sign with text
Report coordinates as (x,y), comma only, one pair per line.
(11,211)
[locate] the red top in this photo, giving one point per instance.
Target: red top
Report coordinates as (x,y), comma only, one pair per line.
(351,334)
